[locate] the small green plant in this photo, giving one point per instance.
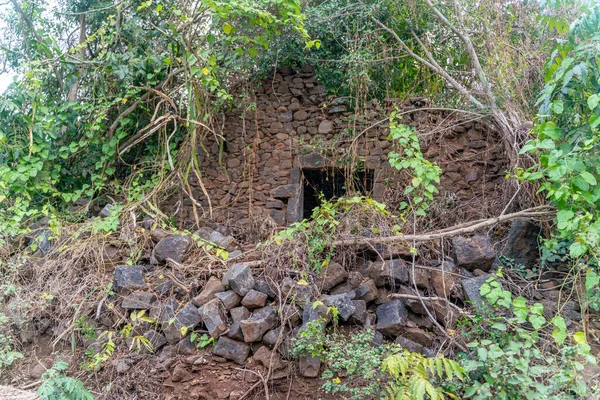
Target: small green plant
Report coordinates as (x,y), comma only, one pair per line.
(414,376)
(353,365)
(95,361)
(425,174)
(311,340)
(201,341)
(85,328)
(58,386)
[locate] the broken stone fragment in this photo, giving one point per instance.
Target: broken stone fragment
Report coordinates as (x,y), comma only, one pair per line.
(445,280)
(390,272)
(309,366)
(128,278)
(214,317)
(239,279)
(210,289)
(261,321)
(270,338)
(472,289)
(232,350)
(230,299)
(157,340)
(266,358)
(419,336)
(235,332)
(138,301)
(472,253)
(367,291)
(188,317)
(330,276)
(409,345)
(342,302)
(391,318)
(292,290)
(359,316)
(163,311)
(173,247)
(262,286)
(240,313)
(254,299)
(523,242)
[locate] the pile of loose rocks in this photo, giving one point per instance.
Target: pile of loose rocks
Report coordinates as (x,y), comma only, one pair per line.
(249,314)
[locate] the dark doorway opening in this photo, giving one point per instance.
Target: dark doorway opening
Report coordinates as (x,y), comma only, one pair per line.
(331,183)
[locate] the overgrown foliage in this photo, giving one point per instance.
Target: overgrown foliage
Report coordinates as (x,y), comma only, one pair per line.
(510,357)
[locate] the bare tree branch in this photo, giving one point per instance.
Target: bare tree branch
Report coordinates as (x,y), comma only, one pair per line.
(471,50)
(432,64)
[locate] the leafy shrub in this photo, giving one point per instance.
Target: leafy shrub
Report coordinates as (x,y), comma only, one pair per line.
(413,376)
(357,368)
(508,360)
(58,386)
(425,174)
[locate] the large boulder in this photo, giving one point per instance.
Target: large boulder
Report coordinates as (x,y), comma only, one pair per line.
(391,318)
(128,278)
(232,350)
(261,321)
(523,242)
(173,247)
(473,253)
(239,279)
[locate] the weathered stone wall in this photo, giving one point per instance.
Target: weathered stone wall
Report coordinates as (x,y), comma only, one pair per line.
(293,125)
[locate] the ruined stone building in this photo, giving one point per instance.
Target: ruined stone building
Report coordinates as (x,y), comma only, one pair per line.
(291,142)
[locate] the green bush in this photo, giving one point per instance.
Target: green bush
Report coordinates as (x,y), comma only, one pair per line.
(522,356)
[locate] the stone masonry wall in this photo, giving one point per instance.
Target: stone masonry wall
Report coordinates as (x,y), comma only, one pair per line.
(257,171)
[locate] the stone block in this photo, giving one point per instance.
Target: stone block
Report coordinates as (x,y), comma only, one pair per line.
(174,247)
(239,279)
(214,317)
(391,318)
(128,278)
(330,276)
(232,350)
(138,301)
(473,253)
(261,321)
(254,299)
(209,291)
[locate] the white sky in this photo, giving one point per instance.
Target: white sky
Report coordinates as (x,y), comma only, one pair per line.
(5,79)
